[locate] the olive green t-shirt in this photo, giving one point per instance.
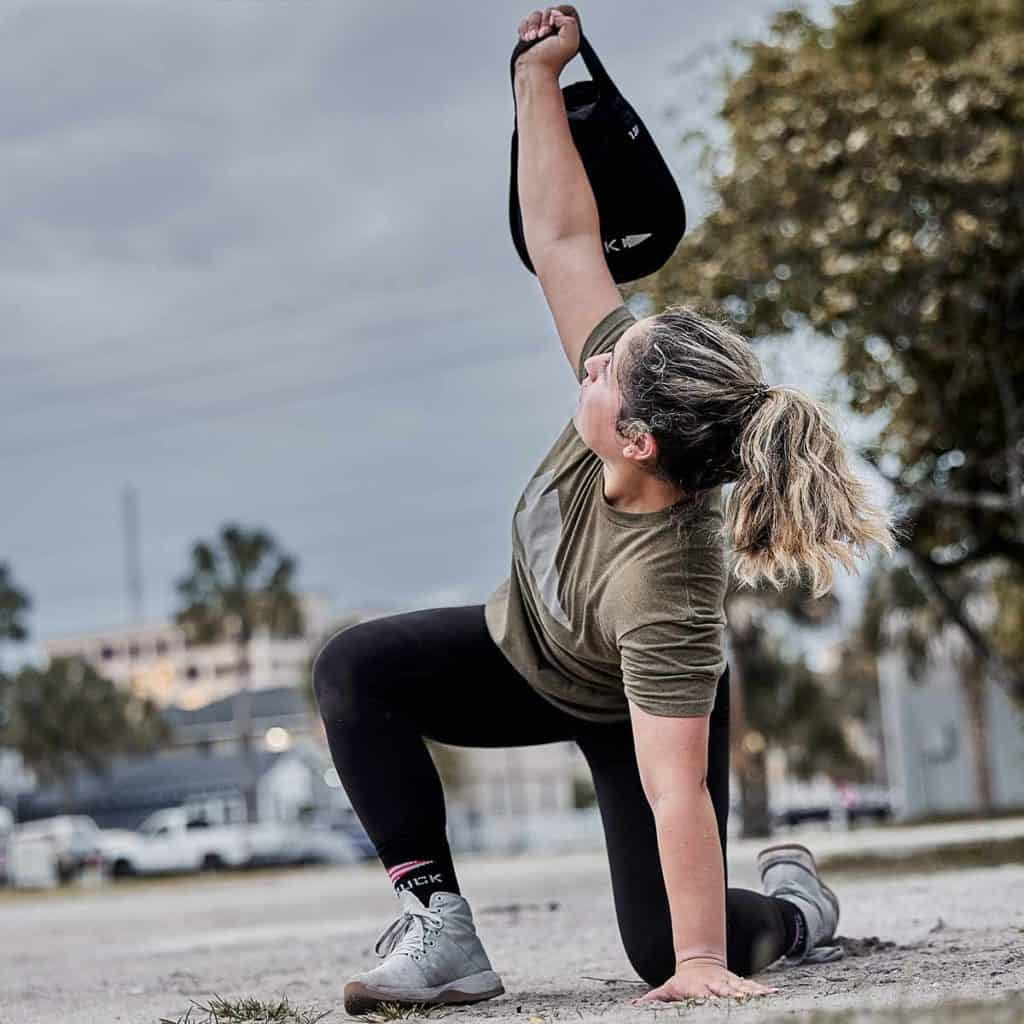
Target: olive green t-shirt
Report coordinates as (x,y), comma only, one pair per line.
(603,606)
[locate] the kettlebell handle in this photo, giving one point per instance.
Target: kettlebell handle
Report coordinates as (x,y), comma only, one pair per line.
(586,51)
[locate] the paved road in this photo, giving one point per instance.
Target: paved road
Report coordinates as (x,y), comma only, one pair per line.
(141,951)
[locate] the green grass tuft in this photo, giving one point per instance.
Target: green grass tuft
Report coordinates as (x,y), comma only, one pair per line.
(246,1011)
(396,1011)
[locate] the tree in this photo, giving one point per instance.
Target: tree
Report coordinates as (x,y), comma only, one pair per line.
(68,717)
(872,189)
(777,700)
(239,583)
(14,603)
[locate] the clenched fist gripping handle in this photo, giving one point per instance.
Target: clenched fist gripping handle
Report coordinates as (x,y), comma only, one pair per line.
(641,211)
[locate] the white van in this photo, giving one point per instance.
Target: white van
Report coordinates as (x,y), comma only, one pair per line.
(72,840)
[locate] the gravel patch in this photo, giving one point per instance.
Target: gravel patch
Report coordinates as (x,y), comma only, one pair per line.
(929,944)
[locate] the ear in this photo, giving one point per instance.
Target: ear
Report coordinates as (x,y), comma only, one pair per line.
(642,449)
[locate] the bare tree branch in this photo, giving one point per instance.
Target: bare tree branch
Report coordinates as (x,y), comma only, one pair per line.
(1003,379)
(990,500)
(1003,673)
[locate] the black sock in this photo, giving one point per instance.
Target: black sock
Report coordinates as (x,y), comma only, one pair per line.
(795,924)
(423,872)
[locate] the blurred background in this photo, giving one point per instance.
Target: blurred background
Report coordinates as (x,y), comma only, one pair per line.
(272,366)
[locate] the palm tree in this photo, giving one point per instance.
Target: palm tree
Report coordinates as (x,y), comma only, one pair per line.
(239,583)
(68,717)
(14,603)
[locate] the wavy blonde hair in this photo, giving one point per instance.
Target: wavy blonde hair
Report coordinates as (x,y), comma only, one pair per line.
(796,508)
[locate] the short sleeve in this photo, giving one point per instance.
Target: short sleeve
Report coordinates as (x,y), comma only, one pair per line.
(604,336)
(671,635)
(672,668)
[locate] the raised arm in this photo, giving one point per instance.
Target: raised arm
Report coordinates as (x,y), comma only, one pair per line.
(560,217)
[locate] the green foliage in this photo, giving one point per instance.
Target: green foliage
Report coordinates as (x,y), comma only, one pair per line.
(873,188)
(247,1011)
(897,613)
(405,1011)
(14,603)
(237,584)
(1008,632)
(791,705)
(68,717)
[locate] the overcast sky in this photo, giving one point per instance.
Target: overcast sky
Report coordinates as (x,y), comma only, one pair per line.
(256,263)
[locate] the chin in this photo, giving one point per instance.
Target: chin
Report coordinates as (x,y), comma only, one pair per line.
(582,436)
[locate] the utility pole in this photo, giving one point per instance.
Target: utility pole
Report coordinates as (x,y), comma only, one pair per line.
(132,553)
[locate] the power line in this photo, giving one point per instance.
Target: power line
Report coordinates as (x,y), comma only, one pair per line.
(134,384)
(194,370)
(370,303)
(229,408)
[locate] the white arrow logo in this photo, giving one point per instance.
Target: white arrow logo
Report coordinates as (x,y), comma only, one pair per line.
(626,242)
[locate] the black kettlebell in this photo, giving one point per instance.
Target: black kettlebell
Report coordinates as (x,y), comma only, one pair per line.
(640,208)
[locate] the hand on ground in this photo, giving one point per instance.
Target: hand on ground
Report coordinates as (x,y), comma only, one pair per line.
(700,979)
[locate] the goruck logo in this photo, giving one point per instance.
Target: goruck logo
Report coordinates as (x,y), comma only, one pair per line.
(402,871)
(626,242)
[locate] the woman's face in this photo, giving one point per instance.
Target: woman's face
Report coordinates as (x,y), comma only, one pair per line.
(600,400)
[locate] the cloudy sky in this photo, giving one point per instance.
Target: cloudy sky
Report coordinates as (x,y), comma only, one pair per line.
(256,264)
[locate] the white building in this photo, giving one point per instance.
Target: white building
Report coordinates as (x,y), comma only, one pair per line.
(513,791)
(929,744)
(158,661)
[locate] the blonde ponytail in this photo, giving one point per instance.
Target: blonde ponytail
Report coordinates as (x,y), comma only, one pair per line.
(796,508)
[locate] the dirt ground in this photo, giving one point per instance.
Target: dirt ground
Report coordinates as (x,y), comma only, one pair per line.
(139,952)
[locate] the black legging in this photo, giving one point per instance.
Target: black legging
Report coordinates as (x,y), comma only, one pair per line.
(384,684)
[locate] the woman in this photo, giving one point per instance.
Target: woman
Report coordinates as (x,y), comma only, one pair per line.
(609,630)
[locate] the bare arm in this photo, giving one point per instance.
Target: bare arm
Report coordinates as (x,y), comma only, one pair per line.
(560,217)
(672,757)
(672,754)
(554,191)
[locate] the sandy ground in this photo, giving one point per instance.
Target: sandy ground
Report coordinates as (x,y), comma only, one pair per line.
(138,952)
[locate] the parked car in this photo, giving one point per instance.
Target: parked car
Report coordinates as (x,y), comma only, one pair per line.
(860,803)
(320,843)
(175,840)
(6,830)
(336,829)
(73,841)
(183,839)
(840,803)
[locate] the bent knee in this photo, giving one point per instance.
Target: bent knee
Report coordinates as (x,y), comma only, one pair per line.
(340,672)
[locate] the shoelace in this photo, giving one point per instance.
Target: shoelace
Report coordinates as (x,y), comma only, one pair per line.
(407,934)
(819,954)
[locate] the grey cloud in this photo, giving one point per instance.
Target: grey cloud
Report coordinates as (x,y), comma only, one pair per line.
(257,262)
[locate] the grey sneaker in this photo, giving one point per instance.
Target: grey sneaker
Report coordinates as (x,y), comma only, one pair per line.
(789,872)
(431,955)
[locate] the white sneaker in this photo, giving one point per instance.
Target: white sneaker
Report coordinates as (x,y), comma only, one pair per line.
(789,872)
(431,955)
